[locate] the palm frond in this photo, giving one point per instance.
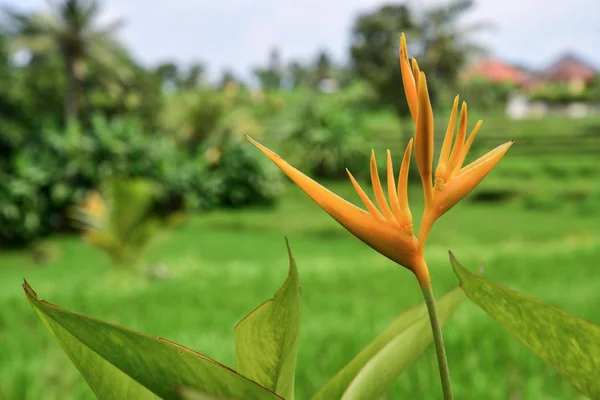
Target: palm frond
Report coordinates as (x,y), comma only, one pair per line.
(119,221)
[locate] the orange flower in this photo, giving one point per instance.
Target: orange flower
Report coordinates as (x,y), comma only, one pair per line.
(389,231)
(389,228)
(452,180)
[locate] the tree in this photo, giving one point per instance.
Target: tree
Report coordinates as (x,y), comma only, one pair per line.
(70,32)
(442,45)
(168,73)
(323,67)
(195,75)
(446,44)
(227,77)
(374,52)
(270,77)
(299,74)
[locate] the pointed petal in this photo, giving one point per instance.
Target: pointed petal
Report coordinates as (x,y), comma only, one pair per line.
(392,190)
(469,177)
(424,138)
(384,237)
(365,199)
(378,190)
(441,170)
(408,81)
(466,149)
(416,72)
(403,186)
(459,143)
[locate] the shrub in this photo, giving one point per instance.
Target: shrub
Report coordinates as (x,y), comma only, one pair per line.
(119,220)
(193,116)
(322,137)
(236,171)
(487,95)
(55,169)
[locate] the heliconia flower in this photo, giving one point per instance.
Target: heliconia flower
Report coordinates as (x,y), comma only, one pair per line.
(388,230)
(452,180)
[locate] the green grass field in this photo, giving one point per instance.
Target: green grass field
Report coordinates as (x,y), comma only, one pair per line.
(224,264)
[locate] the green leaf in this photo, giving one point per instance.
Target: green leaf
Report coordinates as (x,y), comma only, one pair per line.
(568,343)
(266,340)
(372,372)
(120,364)
(189,394)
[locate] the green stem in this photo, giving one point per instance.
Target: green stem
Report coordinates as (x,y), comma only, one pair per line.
(438,340)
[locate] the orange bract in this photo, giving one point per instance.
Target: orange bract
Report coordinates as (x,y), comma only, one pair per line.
(389,228)
(452,180)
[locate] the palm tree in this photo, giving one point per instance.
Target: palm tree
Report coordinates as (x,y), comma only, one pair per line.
(69,30)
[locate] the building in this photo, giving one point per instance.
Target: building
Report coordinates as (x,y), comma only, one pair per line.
(497,71)
(567,69)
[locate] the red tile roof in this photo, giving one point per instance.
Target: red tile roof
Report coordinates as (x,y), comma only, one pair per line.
(496,71)
(568,68)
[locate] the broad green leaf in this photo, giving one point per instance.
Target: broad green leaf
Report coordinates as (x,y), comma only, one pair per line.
(120,364)
(266,340)
(376,367)
(568,343)
(189,394)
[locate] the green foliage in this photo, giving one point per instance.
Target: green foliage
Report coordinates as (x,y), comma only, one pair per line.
(266,340)
(40,184)
(188,394)
(240,176)
(371,373)
(322,137)
(487,95)
(119,363)
(563,93)
(178,116)
(444,47)
(374,51)
(70,32)
(54,170)
(120,220)
(520,248)
(270,77)
(568,343)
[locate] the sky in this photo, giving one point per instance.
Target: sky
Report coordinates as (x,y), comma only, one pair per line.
(238,34)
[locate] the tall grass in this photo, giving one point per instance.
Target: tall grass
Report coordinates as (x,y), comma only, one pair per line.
(223,264)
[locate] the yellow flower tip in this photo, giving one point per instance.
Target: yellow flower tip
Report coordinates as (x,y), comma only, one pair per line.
(408,80)
(415,68)
(381,235)
(403,50)
(378,191)
(469,177)
(441,171)
(406,216)
(403,176)
(454,162)
(364,198)
(392,191)
(465,150)
(424,138)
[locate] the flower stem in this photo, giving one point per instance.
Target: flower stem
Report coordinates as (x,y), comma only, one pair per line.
(438,340)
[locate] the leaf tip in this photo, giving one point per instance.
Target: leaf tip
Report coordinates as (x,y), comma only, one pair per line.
(29,290)
(289,249)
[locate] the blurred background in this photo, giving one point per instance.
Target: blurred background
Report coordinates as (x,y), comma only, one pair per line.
(129,193)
